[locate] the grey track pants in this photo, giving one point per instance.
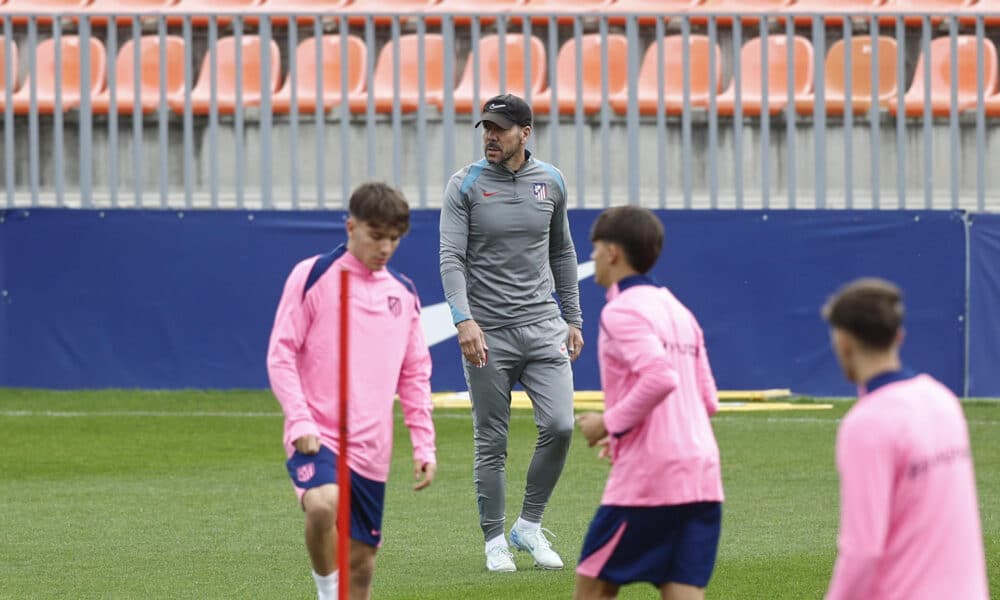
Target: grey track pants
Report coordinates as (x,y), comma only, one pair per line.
(534,355)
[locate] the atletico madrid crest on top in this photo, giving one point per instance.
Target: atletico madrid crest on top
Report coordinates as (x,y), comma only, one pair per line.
(395,307)
(539,191)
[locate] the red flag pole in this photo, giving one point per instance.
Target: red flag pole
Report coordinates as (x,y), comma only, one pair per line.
(343,471)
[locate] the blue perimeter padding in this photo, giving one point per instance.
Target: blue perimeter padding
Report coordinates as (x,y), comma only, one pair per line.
(984,305)
(153,299)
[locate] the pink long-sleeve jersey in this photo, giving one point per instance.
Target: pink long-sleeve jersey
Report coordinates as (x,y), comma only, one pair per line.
(659,393)
(909,518)
(387,355)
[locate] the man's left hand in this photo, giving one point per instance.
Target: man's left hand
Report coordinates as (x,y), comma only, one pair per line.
(574,342)
(424,473)
(592,427)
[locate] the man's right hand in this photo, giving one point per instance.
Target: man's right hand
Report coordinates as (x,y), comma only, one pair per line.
(473,342)
(307,444)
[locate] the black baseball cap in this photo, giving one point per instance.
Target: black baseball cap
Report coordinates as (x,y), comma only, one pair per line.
(506,110)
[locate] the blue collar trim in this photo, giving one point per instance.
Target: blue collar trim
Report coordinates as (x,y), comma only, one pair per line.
(885,379)
(634,280)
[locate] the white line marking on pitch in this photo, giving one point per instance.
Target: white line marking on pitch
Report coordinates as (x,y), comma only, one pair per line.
(437,415)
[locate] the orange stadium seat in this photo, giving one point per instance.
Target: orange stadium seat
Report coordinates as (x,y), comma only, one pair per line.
(777,82)
(125,10)
(563,10)
(861,77)
(913,101)
(409,84)
(804,9)
(470,7)
(740,7)
(305,69)
(673,77)
(591,60)
(71,71)
(43,9)
(175,13)
(3,63)
(489,70)
(968,13)
(149,80)
(991,106)
(915,8)
(646,6)
(226,90)
(276,7)
(383,10)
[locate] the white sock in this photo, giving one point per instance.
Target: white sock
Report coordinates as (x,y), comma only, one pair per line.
(326,585)
(526,525)
(498,541)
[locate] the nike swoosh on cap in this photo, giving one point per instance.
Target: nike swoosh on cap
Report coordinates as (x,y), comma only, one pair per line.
(496,106)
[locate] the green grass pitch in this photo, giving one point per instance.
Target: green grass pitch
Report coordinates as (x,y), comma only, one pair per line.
(122,494)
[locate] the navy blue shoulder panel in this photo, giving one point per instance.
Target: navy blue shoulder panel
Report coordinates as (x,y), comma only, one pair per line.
(322,265)
(406,281)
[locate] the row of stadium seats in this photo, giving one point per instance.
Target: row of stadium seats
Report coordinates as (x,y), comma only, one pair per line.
(537,9)
(752,86)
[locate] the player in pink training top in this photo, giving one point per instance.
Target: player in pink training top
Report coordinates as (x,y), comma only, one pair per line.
(909,517)
(660,517)
(387,355)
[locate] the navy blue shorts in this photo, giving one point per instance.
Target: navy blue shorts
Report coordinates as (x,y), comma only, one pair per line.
(655,544)
(367,495)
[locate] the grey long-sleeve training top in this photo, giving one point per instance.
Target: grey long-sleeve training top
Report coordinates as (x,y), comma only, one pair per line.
(506,246)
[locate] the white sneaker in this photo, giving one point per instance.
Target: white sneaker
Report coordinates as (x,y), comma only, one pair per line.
(500,560)
(535,543)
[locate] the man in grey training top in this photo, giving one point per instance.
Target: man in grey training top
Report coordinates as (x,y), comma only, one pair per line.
(505,248)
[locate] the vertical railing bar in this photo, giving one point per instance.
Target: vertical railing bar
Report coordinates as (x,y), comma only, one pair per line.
(848,115)
(477,100)
(901,113)
(57,113)
(137,124)
(928,120)
(238,128)
(397,113)
(502,49)
(264,122)
(819,109)
(293,112)
(874,116)
(581,164)
(421,111)
(85,114)
(765,113)
(8,111)
(188,117)
(713,114)
(553,58)
(111,35)
(529,73)
(686,175)
(790,115)
(371,139)
(163,116)
(980,116)
(738,112)
(213,110)
(953,116)
(661,116)
(448,116)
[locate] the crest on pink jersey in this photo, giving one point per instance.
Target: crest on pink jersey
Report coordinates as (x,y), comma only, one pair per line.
(305,472)
(395,306)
